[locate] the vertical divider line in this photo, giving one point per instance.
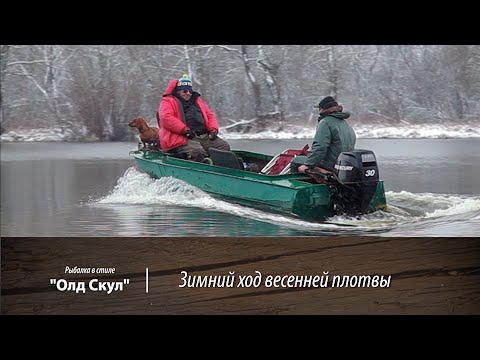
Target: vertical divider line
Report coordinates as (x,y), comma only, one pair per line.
(146,280)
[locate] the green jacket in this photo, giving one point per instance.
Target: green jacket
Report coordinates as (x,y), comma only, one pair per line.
(333,136)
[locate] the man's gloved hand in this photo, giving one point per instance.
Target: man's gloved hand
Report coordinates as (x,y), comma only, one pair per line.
(303,168)
(189,133)
(212,135)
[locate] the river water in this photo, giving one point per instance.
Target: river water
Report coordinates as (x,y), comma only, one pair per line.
(93,189)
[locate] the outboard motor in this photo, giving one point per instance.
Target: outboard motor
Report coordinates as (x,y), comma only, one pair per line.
(357,175)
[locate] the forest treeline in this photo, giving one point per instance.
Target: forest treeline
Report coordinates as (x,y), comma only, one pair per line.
(93,91)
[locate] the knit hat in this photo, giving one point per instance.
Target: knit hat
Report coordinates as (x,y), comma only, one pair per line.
(184,83)
(326,103)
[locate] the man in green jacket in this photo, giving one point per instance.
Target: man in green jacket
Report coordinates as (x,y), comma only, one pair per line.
(333,136)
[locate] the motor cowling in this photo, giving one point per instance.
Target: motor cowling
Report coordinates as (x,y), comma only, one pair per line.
(357,175)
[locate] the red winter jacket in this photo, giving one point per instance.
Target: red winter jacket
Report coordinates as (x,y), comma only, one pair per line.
(172,120)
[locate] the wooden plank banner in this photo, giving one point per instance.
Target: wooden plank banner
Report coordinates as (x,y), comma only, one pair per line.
(240,275)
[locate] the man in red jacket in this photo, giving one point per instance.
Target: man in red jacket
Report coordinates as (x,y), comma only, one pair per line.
(186,122)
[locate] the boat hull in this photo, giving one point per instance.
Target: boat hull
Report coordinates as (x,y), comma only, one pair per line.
(291,194)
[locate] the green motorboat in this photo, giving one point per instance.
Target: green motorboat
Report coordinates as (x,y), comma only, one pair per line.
(255,180)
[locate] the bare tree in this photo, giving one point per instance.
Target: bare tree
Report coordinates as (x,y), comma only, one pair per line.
(42,67)
(92,92)
(271,71)
(3,68)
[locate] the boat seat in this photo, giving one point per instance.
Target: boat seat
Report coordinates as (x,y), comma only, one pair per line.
(280,164)
(225,159)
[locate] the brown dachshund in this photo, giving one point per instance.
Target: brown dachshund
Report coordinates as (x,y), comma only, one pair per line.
(147,134)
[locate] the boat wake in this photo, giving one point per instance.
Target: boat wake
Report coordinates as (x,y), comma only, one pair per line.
(408,214)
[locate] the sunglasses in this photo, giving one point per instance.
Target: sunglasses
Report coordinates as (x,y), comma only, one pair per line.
(186,91)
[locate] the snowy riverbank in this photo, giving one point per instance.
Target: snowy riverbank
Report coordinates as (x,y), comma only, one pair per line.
(369,131)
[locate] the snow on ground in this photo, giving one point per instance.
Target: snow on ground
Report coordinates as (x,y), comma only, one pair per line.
(375,132)
(35,135)
(367,131)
